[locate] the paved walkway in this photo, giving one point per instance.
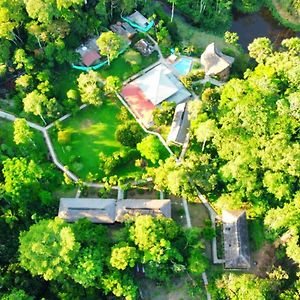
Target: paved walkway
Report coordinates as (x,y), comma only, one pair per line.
(43,130)
(211,211)
(120,194)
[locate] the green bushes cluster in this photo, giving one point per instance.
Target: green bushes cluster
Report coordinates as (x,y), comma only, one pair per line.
(109,163)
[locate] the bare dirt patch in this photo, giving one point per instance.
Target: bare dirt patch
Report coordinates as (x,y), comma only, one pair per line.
(263,260)
(86,124)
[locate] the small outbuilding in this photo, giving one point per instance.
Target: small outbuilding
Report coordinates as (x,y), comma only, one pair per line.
(215,62)
(137,20)
(236,241)
(180,125)
(144,47)
(89,52)
(123,29)
(96,210)
(130,207)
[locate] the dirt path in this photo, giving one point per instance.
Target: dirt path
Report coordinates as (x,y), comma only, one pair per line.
(265,259)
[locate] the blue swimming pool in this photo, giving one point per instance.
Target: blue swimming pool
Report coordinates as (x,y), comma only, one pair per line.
(183,65)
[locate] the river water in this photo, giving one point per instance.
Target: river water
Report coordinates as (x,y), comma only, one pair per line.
(251,26)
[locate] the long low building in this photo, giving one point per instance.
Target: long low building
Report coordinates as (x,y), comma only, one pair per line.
(236,241)
(131,207)
(180,125)
(109,211)
(96,210)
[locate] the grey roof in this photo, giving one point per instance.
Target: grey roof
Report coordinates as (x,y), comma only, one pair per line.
(132,207)
(180,125)
(123,29)
(236,242)
(96,210)
(214,61)
(139,19)
(128,28)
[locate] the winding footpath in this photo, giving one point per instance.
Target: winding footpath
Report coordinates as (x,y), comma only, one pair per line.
(44,130)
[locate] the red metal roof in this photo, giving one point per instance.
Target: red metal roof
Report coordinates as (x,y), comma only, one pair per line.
(89,57)
(140,105)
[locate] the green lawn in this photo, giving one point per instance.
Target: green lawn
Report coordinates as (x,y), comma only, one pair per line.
(119,67)
(92,131)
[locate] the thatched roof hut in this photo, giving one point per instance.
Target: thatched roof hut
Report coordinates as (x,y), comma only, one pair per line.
(215,62)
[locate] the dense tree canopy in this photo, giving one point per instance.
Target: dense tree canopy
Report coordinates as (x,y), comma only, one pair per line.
(83,253)
(252,132)
(244,153)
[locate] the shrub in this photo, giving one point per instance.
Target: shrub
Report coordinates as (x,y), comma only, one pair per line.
(117,159)
(72,94)
(186,80)
(64,136)
(163,115)
(129,133)
(196,75)
(133,57)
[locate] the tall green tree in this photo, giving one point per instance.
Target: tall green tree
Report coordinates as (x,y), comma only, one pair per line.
(122,256)
(113,84)
(150,148)
(22,132)
(110,44)
(260,49)
(35,102)
(245,286)
(173,2)
(20,175)
(90,88)
(48,249)
(129,134)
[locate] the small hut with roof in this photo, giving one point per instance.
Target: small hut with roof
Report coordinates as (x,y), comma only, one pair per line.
(215,62)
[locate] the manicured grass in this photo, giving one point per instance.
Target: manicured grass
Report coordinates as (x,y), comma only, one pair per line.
(119,67)
(256,234)
(92,131)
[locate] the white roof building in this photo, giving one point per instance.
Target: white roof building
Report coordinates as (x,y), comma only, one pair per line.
(180,125)
(214,61)
(96,210)
(159,84)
